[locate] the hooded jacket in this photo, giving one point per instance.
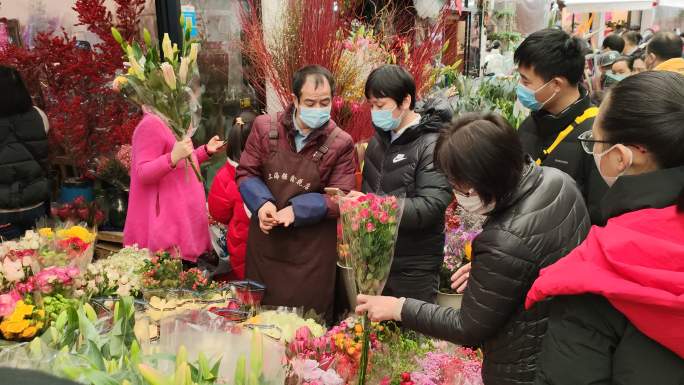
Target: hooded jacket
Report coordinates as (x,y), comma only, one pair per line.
(539,131)
(620,308)
(543,219)
(405,168)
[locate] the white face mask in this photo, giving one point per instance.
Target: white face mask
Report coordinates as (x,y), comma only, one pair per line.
(610,180)
(473,204)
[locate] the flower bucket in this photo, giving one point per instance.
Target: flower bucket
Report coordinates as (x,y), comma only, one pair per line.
(347,276)
(449,300)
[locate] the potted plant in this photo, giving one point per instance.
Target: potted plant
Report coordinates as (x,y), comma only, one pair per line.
(461,228)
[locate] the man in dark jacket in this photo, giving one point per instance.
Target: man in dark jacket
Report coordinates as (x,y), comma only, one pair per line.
(536,216)
(551,64)
(399,161)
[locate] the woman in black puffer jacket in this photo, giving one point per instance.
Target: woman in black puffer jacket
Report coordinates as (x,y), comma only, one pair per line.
(24,187)
(535,216)
(399,161)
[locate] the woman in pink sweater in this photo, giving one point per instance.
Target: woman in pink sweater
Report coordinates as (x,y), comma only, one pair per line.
(167,205)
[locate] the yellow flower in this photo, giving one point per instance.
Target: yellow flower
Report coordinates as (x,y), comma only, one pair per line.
(167,48)
(45,232)
(469,250)
(194,48)
(16,327)
(77,232)
(119,82)
(29,332)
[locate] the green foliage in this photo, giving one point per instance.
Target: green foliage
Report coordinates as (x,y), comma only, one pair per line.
(400,354)
(487,95)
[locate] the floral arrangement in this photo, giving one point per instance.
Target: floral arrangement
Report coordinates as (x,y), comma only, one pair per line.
(162,271)
(458,251)
(119,274)
(370,225)
(55,279)
(164,83)
(23,323)
(79,211)
(290,325)
(311,373)
(463,367)
(115,169)
(66,246)
(195,279)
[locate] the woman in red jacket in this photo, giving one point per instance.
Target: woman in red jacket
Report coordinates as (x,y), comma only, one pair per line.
(619,309)
(225,202)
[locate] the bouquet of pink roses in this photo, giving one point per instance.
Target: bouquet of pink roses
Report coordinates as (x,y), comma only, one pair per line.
(370,225)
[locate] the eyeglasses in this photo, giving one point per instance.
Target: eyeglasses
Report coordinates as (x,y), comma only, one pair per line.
(587,140)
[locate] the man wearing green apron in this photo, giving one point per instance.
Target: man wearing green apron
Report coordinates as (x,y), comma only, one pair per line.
(287,163)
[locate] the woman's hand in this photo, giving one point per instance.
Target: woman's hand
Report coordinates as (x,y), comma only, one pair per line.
(380,308)
(459,280)
(214,145)
(181,150)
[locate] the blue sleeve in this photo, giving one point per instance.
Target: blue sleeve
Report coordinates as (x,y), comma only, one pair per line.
(255,193)
(309,208)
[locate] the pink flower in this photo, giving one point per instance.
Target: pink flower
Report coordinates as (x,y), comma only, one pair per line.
(384,218)
(364,213)
(7,303)
(370,227)
(303,334)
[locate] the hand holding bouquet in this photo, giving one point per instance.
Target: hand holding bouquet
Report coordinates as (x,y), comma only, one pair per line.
(167,84)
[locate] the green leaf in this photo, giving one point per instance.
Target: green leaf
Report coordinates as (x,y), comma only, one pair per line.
(94,356)
(240,369)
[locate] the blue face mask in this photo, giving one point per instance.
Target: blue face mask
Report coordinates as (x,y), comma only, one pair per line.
(314,117)
(384,120)
(527,99)
(612,79)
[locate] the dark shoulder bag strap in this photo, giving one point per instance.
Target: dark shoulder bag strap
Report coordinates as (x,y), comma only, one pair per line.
(273,135)
(322,150)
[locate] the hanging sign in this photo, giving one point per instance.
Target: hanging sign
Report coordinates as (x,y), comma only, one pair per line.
(190,15)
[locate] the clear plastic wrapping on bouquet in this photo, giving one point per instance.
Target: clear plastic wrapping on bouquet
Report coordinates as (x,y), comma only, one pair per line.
(217,337)
(369,229)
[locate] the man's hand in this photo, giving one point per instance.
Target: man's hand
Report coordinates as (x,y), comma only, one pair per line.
(459,280)
(267,217)
(353,194)
(286,216)
(181,150)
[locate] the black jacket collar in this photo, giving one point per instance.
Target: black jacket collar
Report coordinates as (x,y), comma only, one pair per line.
(658,189)
(530,179)
(548,124)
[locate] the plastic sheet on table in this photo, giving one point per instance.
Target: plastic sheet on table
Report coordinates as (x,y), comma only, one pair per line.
(215,336)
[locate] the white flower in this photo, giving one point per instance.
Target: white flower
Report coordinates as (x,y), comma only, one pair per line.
(183,71)
(331,377)
(123,290)
(113,276)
